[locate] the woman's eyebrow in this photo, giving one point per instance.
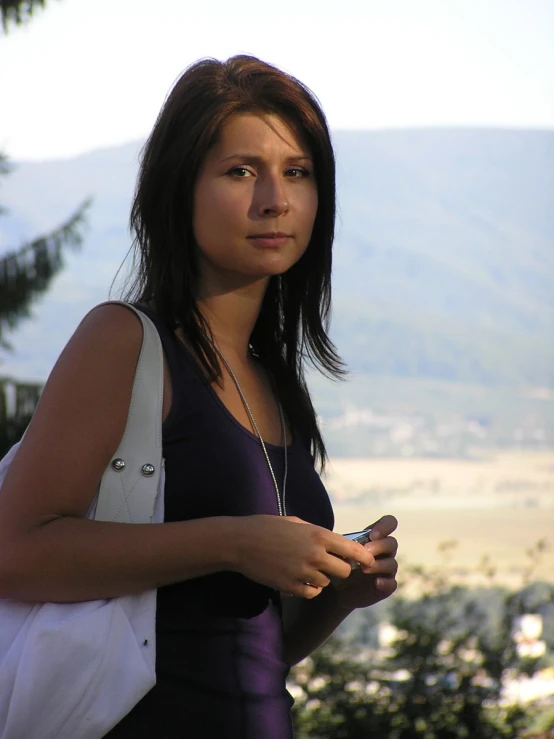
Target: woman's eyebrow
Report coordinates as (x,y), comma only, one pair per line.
(252,158)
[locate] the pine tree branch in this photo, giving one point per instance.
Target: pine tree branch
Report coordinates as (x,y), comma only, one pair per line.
(17,12)
(5,168)
(26,274)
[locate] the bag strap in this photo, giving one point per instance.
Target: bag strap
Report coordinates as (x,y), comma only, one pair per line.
(127,491)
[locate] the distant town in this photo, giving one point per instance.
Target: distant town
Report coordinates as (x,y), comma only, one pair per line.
(425,436)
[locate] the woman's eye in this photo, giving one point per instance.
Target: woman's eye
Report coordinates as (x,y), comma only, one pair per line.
(294,173)
(297,172)
(240,172)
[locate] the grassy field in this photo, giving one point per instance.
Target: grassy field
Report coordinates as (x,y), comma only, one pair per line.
(499,508)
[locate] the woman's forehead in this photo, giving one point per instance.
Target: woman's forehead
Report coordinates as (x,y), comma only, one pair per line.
(246,133)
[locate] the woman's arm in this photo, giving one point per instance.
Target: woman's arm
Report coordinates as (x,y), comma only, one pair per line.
(50,552)
(309,623)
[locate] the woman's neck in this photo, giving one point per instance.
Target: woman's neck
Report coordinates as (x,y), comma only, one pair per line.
(232,317)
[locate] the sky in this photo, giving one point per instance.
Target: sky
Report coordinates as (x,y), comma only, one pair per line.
(85,75)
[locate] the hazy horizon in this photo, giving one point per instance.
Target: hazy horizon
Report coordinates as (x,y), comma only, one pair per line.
(373,65)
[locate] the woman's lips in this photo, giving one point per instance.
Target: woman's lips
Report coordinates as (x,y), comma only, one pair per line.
(266,241)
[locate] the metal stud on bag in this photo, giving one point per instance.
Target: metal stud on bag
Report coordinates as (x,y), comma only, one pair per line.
(148,470)
(118,465)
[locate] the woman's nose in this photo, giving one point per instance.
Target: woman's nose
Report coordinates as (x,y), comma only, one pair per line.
(271,198)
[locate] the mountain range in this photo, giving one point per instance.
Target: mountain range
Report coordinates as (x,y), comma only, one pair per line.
(443,263)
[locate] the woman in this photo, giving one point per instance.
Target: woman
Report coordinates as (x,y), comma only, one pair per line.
(233,218)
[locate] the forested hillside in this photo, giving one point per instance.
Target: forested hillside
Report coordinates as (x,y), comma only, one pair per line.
(444,259)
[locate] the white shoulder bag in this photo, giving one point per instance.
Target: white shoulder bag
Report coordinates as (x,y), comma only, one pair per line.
(74,670)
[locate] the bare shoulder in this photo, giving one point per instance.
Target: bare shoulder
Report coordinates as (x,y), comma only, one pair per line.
(99,361)
(78,423)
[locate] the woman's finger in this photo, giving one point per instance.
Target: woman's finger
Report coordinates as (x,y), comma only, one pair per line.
(307,590)
(383,551)
(383,527)
(381,548)
(337,568)
(317,580)
(385,568)
(386,585)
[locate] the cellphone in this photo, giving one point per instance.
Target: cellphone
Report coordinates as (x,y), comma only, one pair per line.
(362,537)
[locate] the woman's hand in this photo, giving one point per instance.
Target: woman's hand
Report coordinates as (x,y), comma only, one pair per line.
(370,584)
(307,624)
(295,557)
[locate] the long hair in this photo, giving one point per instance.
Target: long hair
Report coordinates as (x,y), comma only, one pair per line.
(293,323)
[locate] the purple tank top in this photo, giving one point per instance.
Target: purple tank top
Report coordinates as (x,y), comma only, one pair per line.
(220,670)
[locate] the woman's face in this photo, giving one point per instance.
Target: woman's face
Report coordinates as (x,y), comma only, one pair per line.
(255,202)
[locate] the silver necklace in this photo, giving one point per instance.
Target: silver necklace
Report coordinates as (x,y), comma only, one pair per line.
(281,503)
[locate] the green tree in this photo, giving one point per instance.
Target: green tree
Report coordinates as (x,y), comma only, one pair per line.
(25,275)
(441,674)
(15,12)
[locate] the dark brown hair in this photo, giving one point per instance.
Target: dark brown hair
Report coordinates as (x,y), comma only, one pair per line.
(293,323)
